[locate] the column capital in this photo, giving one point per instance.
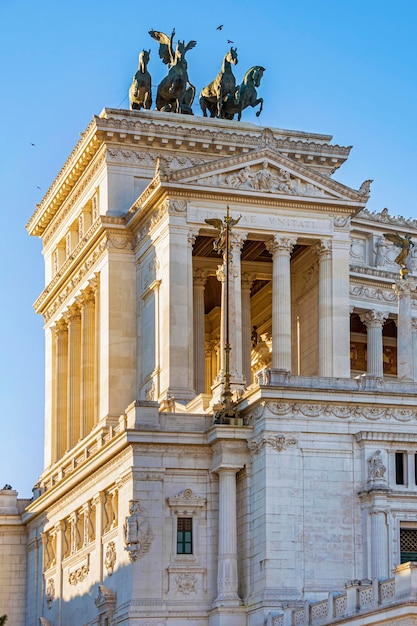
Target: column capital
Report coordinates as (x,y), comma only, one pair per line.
(192,235)
(60,327)
(374,318)
(200,277)
(248,280)
(324,249)
(86,298)
(404,286)
(94,282)
(73,313)
(281,245)
(238,239)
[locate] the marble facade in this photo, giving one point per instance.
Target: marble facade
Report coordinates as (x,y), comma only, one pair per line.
(303,509)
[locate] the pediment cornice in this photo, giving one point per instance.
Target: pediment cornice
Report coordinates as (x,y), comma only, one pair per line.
(264,170)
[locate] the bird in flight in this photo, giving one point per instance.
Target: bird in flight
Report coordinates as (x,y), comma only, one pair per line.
(230,41)
(219,27)
(32,144)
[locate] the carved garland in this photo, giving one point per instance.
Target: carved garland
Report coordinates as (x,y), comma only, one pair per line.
(372,413)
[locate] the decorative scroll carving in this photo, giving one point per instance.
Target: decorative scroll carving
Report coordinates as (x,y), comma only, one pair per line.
(186,583)
(277,442)
(78,575)
(137,531)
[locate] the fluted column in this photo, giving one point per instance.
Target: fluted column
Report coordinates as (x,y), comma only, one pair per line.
(247,282)
(379,543)
(61,390)
(73,318)
(324,252)
(199,282)
(227,579)
(374,321)
(87,304)
(94,284)
(405,362)
(414,327)
(221,277)
(235,306)
(281,248)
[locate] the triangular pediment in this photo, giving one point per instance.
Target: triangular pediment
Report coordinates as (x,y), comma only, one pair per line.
(263,171)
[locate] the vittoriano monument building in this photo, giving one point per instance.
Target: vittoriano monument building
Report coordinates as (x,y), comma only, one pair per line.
(301,508)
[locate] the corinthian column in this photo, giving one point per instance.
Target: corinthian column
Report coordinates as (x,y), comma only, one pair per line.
(324,252)
(73,318)
(281,248)
(199,282)
(374,321)
(247,282)
(59,420)
(235,307)
(403,289)
(87,303)
(227,580)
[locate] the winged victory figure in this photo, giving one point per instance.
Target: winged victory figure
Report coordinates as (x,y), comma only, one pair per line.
(405,243)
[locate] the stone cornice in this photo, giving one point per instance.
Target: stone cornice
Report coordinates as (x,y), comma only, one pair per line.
(384,219)
(182,134)
(66,180)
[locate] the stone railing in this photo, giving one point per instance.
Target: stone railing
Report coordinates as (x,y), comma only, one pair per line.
(361,597)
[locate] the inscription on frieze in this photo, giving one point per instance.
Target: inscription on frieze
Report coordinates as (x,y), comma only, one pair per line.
(197,215)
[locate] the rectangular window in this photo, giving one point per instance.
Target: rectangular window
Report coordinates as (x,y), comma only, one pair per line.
(399,468)
(185,535)
(408,544)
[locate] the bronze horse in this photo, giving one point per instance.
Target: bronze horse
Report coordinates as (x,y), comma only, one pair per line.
(213,95)
(245,95)
(140,92)
(172,94)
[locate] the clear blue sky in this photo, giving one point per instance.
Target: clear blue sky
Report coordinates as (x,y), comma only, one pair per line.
(342,67)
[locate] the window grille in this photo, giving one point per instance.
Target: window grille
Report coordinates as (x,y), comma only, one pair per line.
(408,542)
(185,535)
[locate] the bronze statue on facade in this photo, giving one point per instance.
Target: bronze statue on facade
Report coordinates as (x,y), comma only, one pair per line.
(405,243)
(140,92)
(245,95)
(214,94)
(175,92)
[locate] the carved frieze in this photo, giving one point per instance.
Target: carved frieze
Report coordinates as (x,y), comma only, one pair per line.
(353,412)
(265,179)
(371,293)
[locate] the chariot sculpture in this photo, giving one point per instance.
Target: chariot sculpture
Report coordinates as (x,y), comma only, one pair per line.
(175,93)
(140,92)
(214,94)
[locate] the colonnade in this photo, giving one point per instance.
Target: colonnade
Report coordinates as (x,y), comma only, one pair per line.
(75,371)
(240,284)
